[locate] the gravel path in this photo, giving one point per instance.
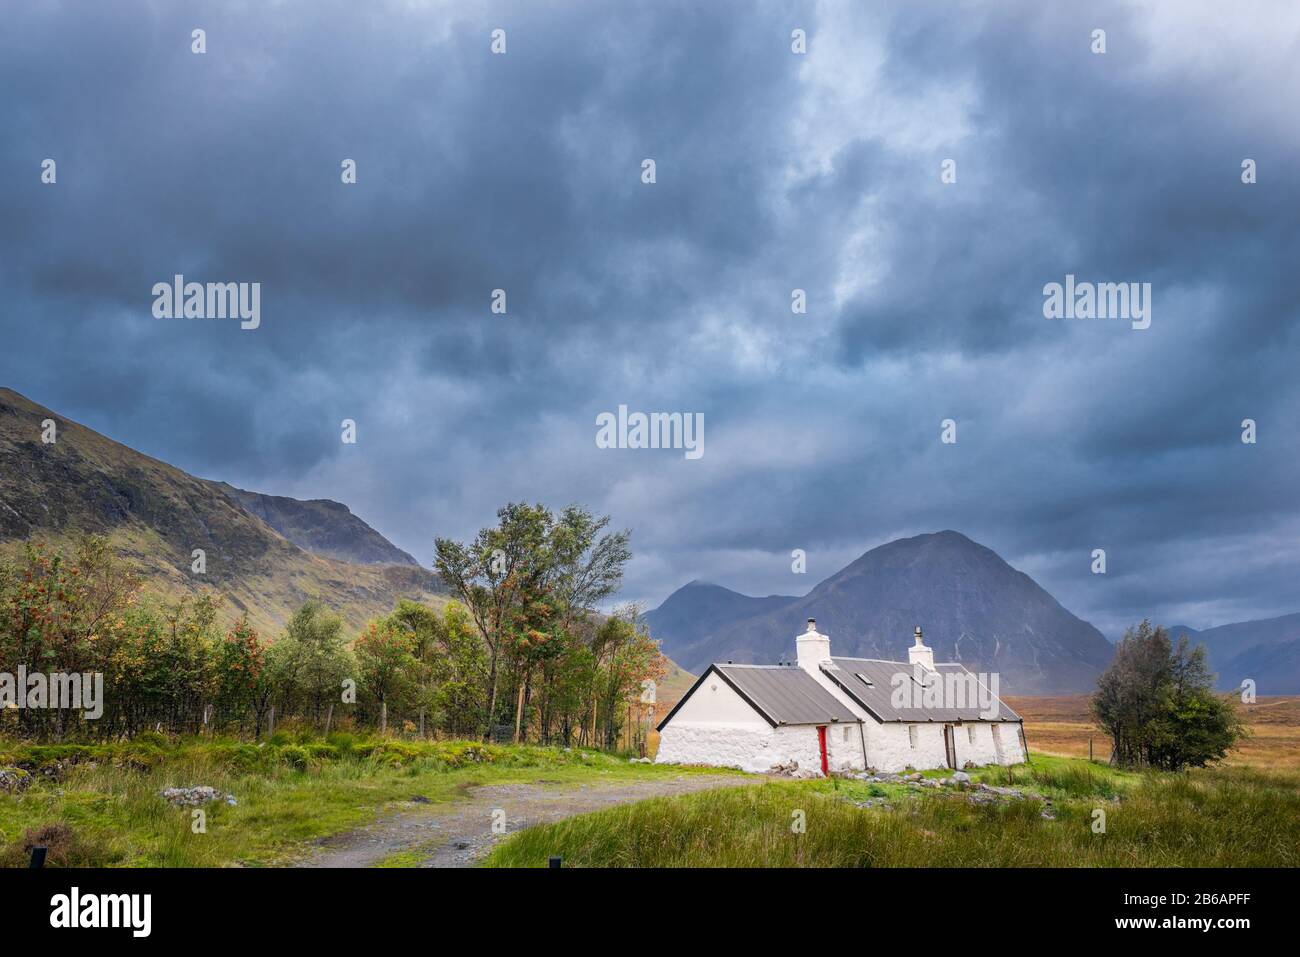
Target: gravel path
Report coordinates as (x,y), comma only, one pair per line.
(461,834)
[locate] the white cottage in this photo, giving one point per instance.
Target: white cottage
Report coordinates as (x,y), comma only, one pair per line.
(830,714)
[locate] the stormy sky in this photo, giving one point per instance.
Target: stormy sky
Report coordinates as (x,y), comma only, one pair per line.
(775,171)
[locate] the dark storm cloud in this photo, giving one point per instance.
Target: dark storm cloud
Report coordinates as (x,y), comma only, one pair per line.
(775,172)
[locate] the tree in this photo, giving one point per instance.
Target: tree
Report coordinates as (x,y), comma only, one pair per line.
(1157,703)
(239,665)
(492,577)
(386,662)
(315,658)
(527,583)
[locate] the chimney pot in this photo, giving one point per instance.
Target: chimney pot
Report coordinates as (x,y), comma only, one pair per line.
(920,654)
(812,649)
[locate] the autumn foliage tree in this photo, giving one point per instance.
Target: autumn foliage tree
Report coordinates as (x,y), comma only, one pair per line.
(523,652)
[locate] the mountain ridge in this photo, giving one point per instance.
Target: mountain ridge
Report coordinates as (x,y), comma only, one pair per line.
(321,526)
(156,515)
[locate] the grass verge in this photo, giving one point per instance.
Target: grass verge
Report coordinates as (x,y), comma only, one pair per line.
(1230,817)
(99,805)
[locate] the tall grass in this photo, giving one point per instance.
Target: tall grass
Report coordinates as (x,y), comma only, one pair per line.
(1062,778)
(1227,818)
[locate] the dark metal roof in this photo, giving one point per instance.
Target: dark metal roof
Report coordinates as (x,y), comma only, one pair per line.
(871,684)
(782,695)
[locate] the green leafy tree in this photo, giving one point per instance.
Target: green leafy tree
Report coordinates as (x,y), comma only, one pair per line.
(1156,702)
(493,576)
(314,660)
(387,664)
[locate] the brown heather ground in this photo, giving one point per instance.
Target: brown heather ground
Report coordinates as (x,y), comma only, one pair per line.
(1062,725)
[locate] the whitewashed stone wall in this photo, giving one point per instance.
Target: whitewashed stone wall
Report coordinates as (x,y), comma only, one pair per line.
(752,749)
(718,745)
(889,747)
(844,747)
(982,750)
(717,727)
(1013,750)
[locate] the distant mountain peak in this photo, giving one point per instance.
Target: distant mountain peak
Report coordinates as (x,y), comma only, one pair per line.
(974,607)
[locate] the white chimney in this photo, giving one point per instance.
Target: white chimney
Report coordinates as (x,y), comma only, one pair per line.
(919,653)
(814,649)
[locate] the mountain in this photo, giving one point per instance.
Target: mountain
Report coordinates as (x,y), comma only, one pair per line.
(973,607)
(156,515)
(1267,651)
(698,610)
(321,527)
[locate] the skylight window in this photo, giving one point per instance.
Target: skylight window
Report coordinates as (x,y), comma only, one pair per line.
(864,679)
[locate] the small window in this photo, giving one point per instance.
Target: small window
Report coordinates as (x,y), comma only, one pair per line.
(911,735)
(970,733)
(863,678)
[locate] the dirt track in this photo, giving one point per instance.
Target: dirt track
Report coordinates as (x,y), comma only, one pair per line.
(461,834)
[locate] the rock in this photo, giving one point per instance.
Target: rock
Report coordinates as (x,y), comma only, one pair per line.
(420,799)
(230,799)
(874,802)
(1004,792)
(960,777)
(191,797)
(14,780)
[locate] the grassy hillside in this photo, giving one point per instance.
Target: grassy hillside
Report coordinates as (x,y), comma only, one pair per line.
(156,515)
(1232,817)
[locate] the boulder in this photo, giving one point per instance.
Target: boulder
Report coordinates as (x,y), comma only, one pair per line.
(14,780)
(191,797)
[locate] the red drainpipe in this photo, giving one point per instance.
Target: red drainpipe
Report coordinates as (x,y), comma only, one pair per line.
(821,740)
